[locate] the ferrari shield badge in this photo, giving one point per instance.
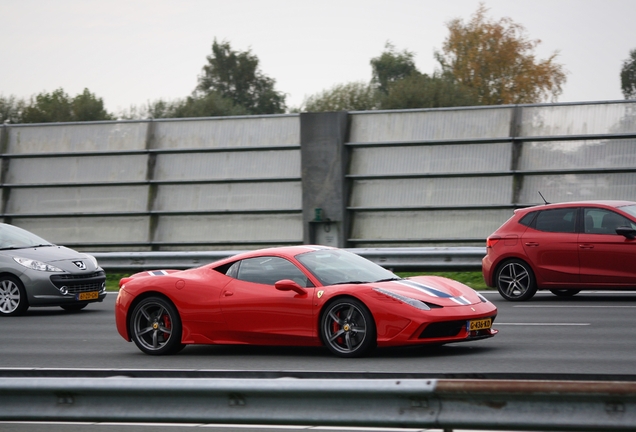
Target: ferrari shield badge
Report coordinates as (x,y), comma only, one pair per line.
(319,293)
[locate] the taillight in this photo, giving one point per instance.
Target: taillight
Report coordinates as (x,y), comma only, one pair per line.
(491,241)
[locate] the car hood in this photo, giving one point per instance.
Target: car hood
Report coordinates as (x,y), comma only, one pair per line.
(58,256)
(439,291)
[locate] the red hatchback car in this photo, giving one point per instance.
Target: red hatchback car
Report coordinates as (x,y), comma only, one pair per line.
(564,248)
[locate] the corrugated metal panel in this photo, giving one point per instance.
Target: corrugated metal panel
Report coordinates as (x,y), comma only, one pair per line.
(74,200)
(228,132)
(434,192)
(228,165)
(432,224)
(71,138)
(87,229)
(559,155)
(87,169)
(237,228)
(573,187)
(431,159)
(431,125)
(230,196)
(554,120)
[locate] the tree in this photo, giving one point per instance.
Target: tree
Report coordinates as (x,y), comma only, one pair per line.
(88,107)
(236,76)
(391,66)
(11,109)
(424,91)
(354,96)
(58,106)
(628,76)
(496,61)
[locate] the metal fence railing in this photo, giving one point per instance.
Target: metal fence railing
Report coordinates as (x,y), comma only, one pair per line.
(396,259)
(404,178)
(403,403)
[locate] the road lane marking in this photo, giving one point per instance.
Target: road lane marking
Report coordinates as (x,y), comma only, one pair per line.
(543,324)
(574,306)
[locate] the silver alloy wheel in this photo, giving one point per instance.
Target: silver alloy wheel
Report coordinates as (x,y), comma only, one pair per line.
(10,296)
(152,325)
(515,281)
(348,329)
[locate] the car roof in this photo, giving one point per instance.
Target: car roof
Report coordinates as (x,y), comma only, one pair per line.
(287,251)
(597,203)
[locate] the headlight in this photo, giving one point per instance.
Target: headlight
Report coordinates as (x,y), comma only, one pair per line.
(36,265)
(409,301)
(482,298)
(92,259)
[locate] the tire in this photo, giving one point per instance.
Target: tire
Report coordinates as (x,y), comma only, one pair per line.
(155,326)
(565,292)
(347,328)
(13,298)
(74,307)
(515,281)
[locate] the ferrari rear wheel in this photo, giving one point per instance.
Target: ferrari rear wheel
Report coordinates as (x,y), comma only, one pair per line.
(13,299)
(155,326)
(515,281)
(347,328)
(564,292)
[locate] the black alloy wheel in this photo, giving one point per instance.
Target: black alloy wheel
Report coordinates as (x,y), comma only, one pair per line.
(13,298)
(347,328)
(155,326)
(515,280)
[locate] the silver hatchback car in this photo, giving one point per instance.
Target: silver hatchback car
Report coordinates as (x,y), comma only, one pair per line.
(34,272)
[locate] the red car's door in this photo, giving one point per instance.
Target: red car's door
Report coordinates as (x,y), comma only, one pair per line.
(256,312)
(607,258)
(551,245)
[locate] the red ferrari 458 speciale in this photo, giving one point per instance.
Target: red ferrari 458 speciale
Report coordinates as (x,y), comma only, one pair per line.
(297,296)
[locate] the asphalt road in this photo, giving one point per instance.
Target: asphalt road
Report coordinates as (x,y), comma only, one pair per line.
(586,334)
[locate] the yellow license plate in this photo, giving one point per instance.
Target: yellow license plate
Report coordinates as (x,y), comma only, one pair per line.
(91,295)
(481,324)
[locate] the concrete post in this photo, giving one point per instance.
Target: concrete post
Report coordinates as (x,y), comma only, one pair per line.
(324,161)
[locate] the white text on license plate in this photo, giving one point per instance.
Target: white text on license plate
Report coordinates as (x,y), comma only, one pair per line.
(481,324)
(91,295)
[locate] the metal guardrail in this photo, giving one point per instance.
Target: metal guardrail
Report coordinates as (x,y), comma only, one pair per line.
(398,259)
(417,403)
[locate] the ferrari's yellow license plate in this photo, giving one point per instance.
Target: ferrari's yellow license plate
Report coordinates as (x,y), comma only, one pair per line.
(91,295)
(481,324)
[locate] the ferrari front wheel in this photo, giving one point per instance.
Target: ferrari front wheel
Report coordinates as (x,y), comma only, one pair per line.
(347,328)
(155,326)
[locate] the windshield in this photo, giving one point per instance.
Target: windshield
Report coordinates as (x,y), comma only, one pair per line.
(631,209)
(12,237)
(336,266)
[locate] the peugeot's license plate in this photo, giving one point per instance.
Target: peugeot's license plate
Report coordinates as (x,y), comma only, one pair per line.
(481,324)
(91,295)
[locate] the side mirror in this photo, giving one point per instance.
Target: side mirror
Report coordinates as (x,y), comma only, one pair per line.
(626,231)
(289,285)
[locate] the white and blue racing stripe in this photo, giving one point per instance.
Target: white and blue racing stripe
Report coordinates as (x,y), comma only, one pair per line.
(433,292)
(158,273)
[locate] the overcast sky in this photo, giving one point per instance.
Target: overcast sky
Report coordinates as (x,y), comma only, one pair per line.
(129,52)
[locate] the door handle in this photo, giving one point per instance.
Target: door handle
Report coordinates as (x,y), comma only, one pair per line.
(586,246)
(228,293)
(532,244)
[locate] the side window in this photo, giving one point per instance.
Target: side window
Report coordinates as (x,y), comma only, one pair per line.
(269,270)
(527,219)
(601,221)
(557,220)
